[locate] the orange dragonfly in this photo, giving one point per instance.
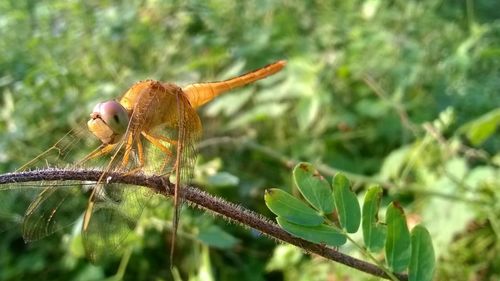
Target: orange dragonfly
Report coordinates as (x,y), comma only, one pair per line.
(152,129)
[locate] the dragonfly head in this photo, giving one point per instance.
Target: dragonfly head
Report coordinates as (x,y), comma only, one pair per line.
(108,121)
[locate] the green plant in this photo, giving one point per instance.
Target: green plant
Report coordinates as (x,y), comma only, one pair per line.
(368,88)
(333,214)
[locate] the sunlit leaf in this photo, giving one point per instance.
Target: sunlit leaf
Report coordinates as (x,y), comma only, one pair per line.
(394,162)
(223,179)
(373,231)
(76,246)
(307,111)
(318,234)
(228,104)
(346,203)
(284,256)
(480,129)
(205,270)
(422,260)
(215,236)
(292,209)
(397,243)
(258,112)
(313,187)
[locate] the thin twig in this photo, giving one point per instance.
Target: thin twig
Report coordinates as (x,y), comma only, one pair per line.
(289,162)
(468,152)
(204,201)
(400,109)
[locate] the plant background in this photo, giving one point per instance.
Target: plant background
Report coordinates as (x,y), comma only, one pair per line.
(390,92)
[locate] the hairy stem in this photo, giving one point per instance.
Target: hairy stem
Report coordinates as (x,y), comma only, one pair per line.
(200,199)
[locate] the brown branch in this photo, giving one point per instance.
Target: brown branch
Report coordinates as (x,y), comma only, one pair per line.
(204,201)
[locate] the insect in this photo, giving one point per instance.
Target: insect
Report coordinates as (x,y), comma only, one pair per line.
(152,128)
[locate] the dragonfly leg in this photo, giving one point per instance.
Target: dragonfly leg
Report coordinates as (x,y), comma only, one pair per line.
(140,156)
(156,141)
(162,138)
(140,152)
(128,150)
(100,151)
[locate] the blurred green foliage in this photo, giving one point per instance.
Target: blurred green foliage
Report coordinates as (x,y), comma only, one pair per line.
(400,93)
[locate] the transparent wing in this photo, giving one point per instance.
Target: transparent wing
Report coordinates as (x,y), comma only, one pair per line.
(114,209)
(52,210)
(59,205)
(38,221)
(71,147)
(114,217)
(189,131)
(169,144)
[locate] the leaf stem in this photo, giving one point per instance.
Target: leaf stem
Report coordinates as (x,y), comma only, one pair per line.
(123,264)
(367,254)
(363,250)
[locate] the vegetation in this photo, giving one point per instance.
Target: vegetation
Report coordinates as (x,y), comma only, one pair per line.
(403,94)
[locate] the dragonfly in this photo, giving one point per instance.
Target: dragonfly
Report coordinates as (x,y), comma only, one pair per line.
(153,128)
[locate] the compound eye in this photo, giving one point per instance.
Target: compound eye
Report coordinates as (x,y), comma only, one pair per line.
(114,115)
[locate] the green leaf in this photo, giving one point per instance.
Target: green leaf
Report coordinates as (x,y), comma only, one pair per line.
(205,269)
(373,231)
(292,209)
(284,257)
(258,112)
(394,163)
(422,260)
(216,237)
(76,246)
(223,179)
(480,129)
(323,233)
(307,111)
(313,187)
(397,243)
(346,203)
